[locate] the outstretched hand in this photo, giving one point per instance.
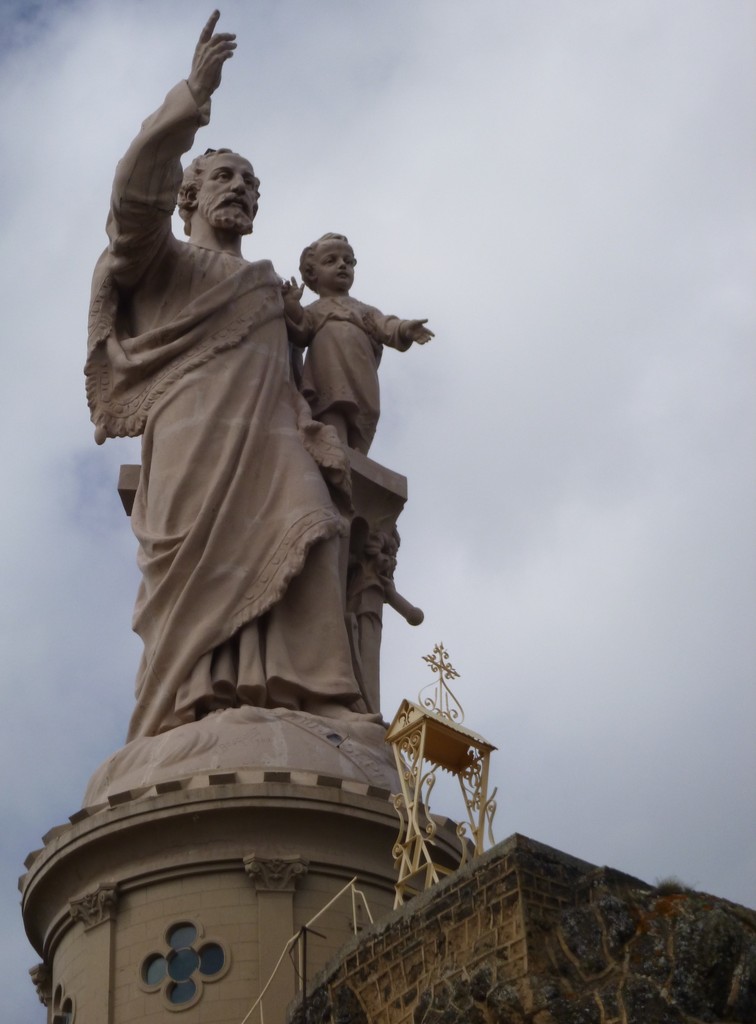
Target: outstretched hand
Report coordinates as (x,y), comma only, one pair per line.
(415,330)
(211,53)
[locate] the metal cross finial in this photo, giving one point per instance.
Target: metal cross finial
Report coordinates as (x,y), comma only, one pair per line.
(442,700)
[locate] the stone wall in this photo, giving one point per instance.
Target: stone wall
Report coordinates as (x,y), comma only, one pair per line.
(528,935)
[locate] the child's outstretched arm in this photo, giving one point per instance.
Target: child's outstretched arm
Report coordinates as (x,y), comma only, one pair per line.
(390,330)
(394,332)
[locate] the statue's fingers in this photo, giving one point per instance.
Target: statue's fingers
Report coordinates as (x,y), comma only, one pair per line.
(207,31)
(222,46)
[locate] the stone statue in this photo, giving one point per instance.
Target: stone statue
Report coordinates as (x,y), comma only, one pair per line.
(370,585)
(345,339)
(242,495)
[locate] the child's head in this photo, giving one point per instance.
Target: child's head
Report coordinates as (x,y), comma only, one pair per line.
(327,266)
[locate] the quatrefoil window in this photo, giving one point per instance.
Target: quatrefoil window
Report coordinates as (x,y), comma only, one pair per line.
(181,970)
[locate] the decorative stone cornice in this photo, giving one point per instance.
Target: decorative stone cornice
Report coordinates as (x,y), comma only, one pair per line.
(95,907)
(275,874)
(41,977)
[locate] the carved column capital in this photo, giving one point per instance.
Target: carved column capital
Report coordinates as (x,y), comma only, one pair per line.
(275,874)
(41,977)
(95,907)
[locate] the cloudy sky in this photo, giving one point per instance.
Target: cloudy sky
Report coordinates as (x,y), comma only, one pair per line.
(565,190)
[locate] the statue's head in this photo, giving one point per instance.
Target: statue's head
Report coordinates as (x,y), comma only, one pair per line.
(330,259)
(220,187)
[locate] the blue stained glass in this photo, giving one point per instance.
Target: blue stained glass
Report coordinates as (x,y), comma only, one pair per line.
(182,935)
(211,959)
(182,992)
(154,970)
(182,964)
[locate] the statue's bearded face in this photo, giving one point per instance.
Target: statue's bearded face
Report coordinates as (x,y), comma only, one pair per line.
(228,194)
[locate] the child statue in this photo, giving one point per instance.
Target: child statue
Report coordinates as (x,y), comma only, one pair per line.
(345,340)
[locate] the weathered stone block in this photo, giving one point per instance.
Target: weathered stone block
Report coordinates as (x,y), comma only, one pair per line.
(617,952)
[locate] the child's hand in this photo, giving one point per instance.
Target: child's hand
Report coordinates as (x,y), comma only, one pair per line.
(292,289)
(415,330)
(292,293)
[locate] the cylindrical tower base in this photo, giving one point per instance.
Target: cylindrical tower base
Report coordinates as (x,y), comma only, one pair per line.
(178,886)
(183,900)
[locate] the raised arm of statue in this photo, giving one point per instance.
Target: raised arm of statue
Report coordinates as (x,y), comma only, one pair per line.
(148,178)
(298,323)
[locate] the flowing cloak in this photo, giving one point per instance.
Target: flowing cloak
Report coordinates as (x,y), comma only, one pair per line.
(341,368)
(188,347)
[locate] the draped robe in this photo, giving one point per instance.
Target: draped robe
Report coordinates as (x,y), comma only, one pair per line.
(240,597)
(341,368)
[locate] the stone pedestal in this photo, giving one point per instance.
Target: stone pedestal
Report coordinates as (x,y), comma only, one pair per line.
(176,889)
(243,864)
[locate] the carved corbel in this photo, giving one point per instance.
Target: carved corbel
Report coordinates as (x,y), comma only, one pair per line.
(275,874)
(41,977)
(95,907)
